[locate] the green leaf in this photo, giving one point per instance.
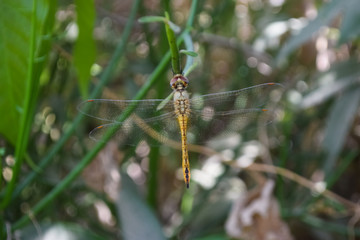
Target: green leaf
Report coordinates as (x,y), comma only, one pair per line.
(150,19)
(137,219)
(174,27)
(84,52)
(342,77)
(214,237)
(209,215)
(40,13)
(340,120)
(350,27)
(14,47)
(189,53)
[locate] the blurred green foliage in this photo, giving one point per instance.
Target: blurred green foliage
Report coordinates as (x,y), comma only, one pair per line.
(97,49)
(85,44)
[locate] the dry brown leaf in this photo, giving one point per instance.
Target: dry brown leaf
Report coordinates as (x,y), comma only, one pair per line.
(255,215)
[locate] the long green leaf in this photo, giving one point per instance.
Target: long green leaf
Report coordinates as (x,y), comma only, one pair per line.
(84,52)
(151,19)
(137,219)
(23,64)
(350,27)
(15,20)
(340,121)
(14,46)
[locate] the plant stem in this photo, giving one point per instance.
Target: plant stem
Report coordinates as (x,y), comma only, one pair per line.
(175,60)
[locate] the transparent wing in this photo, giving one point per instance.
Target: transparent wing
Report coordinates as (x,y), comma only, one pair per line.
(155,131)
(225,103)
(211,114)
(110,110)
(233,111)
(203,127)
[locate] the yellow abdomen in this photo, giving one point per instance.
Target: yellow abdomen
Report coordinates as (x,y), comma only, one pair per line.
(183,121)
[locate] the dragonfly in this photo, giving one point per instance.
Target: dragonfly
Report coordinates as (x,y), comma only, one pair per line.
(199,116)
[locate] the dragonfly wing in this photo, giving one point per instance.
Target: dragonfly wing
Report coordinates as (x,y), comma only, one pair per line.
(252,97)
(110,110)
(205,127)
(231,112)
(155,131)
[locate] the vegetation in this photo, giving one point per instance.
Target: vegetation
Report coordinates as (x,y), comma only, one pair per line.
(295,178)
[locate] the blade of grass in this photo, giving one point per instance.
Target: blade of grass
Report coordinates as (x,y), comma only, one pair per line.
(338,128)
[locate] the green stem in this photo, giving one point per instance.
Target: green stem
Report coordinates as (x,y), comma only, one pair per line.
(25,121)
(153,177)
(175,60)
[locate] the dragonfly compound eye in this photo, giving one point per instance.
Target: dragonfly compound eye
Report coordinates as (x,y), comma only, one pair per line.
(179,79)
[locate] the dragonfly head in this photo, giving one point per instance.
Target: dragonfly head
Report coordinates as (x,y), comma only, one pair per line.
(179,82)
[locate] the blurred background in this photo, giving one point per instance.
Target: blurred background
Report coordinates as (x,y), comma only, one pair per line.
(296,178)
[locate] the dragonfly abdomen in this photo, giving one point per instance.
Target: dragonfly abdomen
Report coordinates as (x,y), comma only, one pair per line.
(182,111)
(183,120)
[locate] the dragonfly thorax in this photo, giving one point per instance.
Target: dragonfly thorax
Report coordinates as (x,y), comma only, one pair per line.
(181,102)
(181,95)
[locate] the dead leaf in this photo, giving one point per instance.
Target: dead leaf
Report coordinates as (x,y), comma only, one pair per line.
(255,215)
